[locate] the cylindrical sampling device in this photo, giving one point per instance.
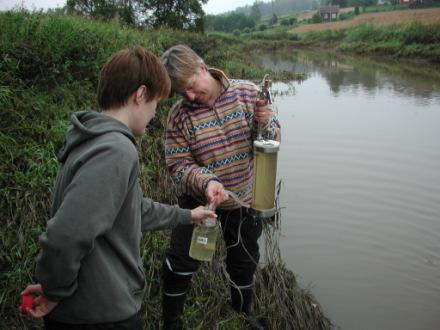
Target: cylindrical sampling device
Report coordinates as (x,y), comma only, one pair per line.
(265,168)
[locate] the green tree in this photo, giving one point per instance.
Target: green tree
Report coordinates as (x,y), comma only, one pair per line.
(274,19)
(262,27)
(255,12)
(104,9)
(229,22)
(356,10)
(285,21)
(316,18)
(176,14)
(341,3)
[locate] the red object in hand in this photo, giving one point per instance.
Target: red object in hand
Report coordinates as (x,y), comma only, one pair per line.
(27,301)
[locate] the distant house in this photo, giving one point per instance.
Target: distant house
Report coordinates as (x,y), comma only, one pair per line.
(402,2)
(329,13)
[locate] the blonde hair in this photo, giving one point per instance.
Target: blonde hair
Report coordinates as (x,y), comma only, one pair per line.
(181,63)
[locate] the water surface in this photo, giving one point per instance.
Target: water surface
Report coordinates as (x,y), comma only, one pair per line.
(360,163)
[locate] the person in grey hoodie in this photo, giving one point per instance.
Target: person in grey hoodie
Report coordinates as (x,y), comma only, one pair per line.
(89,269)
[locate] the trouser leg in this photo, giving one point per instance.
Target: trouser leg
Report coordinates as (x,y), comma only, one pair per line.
(241,235)
(175,288)
(177,271)
(241,299)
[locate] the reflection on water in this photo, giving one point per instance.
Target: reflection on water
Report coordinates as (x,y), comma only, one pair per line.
(422,82)
(360,162)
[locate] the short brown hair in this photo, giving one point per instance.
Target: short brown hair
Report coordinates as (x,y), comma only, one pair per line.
(127,70)
(181,63)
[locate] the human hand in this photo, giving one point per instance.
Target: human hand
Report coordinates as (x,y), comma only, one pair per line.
(41,306)
(263,112)
(215,193)
(200,213)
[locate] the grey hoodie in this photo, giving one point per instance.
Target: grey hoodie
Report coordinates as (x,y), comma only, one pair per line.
(90,254)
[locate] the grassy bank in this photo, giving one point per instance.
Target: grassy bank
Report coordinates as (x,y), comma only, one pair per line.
(49,68)
(401,34)
(406,41)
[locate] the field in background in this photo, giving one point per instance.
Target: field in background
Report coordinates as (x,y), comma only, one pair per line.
(424,16)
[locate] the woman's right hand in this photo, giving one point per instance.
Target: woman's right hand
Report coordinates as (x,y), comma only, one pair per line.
(215,193)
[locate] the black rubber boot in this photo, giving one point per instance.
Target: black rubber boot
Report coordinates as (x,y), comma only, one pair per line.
(241,301)
(172,308)
(175,288)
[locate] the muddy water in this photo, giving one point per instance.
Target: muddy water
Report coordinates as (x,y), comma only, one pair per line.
(360,163)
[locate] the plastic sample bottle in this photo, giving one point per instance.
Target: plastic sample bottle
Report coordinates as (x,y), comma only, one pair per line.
(203,239)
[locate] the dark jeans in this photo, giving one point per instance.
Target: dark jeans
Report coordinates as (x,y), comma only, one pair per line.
(132,323)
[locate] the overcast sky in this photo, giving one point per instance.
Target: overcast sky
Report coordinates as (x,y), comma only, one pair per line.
(220,6)
(212,7)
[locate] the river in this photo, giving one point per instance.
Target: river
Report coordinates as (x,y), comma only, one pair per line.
(360,166)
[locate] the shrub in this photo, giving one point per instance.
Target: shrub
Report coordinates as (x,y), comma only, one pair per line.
(262,27)
(316,18)
(285,21)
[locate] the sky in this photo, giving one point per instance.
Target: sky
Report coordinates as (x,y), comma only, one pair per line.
(213,7)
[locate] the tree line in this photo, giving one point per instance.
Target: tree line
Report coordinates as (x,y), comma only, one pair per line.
(176,14)
(189,15)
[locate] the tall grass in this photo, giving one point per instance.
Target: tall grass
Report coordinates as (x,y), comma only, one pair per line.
(49,66)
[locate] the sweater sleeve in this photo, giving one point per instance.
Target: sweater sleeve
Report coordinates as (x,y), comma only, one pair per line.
(272,130)
(89,207)
(248,93)
(187,173)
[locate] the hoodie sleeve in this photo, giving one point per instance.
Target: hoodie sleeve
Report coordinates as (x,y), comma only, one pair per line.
(157,216)
(89,207)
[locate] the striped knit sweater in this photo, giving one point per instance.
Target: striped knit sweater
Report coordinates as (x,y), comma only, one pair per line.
(215,143)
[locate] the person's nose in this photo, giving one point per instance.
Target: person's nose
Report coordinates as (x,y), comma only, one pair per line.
(190,95)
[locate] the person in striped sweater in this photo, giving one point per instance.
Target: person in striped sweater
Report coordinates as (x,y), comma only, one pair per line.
(208,151)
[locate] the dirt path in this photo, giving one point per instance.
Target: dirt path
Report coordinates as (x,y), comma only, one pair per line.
(425,16)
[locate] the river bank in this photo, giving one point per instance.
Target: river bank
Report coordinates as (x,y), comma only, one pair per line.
(413,41)
(411,34)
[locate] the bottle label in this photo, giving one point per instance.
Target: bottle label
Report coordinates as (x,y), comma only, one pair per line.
(202,240)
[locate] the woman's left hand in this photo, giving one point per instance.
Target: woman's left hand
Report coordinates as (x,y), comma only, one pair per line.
(263,112)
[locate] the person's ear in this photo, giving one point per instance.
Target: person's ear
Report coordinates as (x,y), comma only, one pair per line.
(140,94)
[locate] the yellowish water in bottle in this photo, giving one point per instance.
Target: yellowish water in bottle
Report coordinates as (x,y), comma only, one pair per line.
(203,242)
(265,165)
